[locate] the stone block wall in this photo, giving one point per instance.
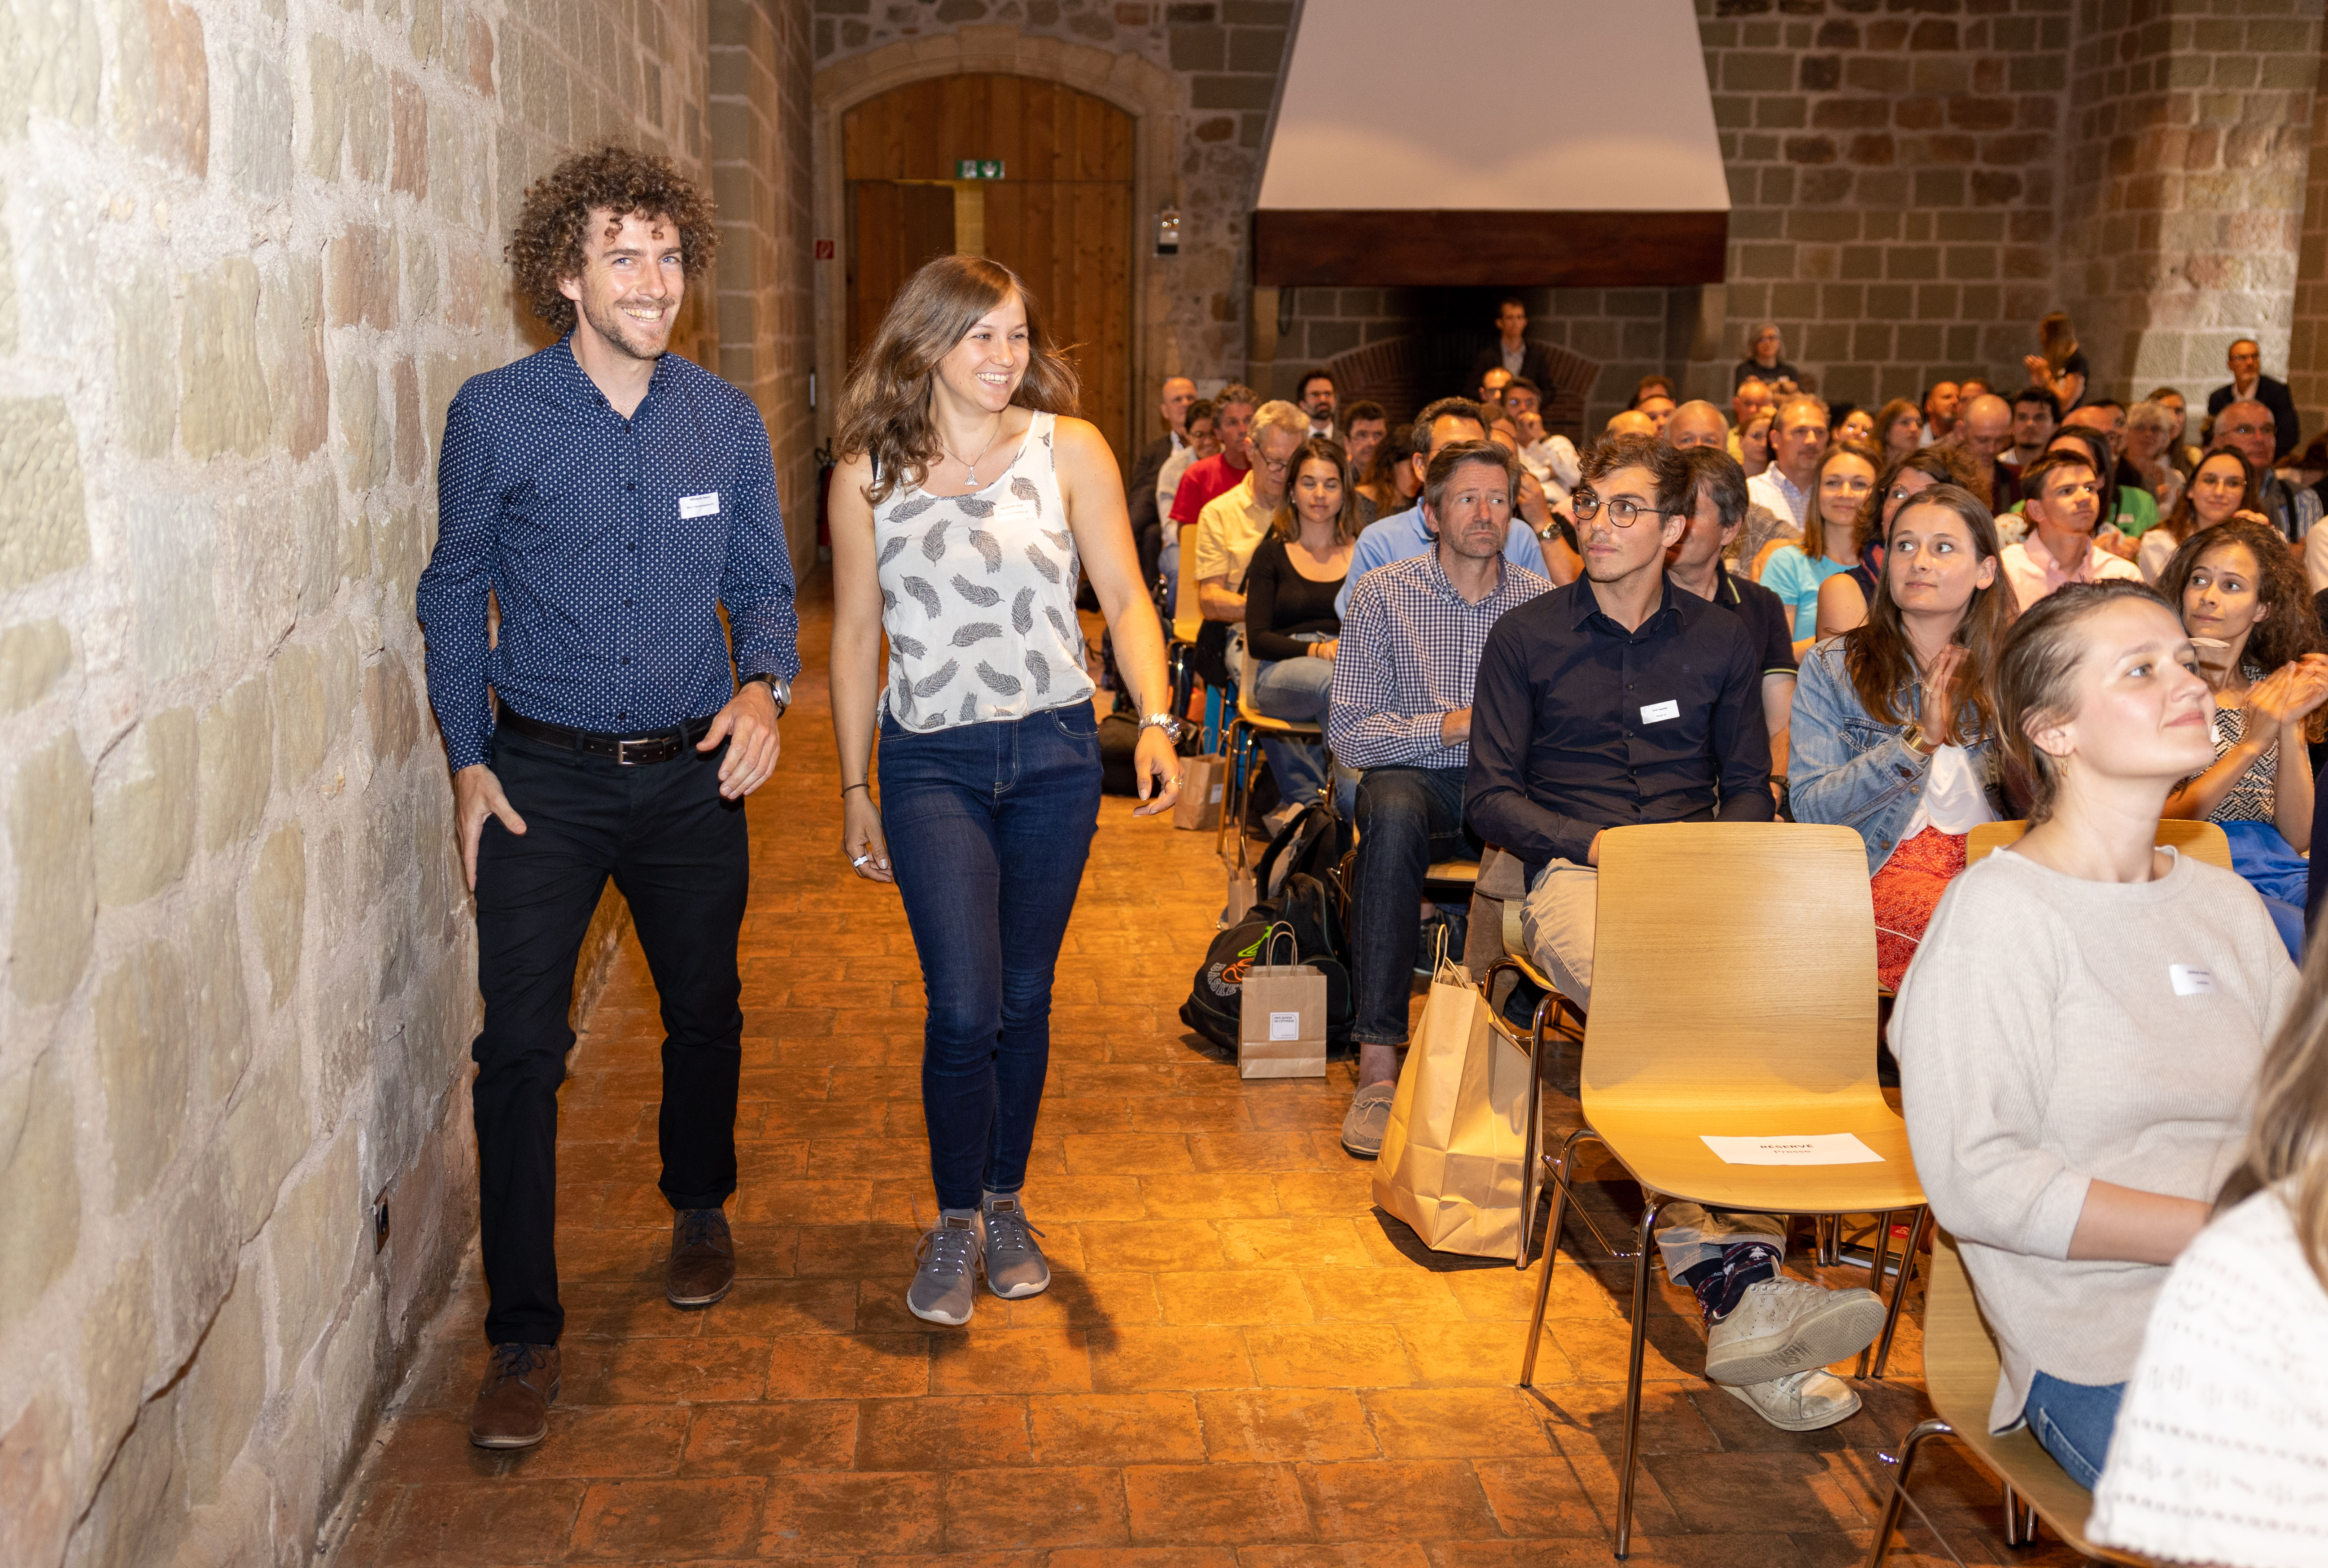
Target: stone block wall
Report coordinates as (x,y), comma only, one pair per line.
(2307,345)
(248,248)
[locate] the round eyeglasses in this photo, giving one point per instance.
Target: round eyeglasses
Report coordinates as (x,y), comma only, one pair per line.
(1623,510)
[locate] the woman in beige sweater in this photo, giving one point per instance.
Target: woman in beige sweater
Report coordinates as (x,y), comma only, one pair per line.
(2079,1033)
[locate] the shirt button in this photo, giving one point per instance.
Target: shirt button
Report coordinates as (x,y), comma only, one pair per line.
(631,546)
(626,658)
(630,604)
(629,485)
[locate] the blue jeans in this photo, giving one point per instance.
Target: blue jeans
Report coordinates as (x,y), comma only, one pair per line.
(1407,817)
(2073,1420)
(988,826)
(1296,690)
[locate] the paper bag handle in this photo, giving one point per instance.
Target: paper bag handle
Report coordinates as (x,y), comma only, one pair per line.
(1268,943)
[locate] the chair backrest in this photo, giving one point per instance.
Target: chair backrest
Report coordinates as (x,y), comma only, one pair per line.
(1730,958)
(2199,840)
(1188,612)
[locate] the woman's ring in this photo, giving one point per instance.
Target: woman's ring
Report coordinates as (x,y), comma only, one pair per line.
(859,861)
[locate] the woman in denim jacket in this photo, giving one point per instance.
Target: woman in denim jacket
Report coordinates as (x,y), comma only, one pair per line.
(1892,728)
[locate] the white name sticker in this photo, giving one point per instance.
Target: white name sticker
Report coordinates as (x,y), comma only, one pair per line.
(704,505)
(1658,712)
(1285,1026)
(2189,979)
(1015,510)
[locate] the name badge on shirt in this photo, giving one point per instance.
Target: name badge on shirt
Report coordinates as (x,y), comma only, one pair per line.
(2189,979)
(1017,509)
(704,505)
(1658,712)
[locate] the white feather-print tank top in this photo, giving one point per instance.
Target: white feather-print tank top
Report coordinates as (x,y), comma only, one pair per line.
(978,596)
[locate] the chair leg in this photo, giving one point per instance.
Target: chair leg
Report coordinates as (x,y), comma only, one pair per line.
(1896,1502)
(1530,1137)
(2012,1536)
(1879,1249)
(1551,1251)
(1625,1475)
(1232,737)
(1900,1290)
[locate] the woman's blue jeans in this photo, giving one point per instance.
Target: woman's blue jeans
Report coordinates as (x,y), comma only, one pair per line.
(988,826)
(2074,1420)
(1296,689)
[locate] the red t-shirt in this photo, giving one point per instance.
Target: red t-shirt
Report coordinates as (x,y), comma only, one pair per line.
(1213,477)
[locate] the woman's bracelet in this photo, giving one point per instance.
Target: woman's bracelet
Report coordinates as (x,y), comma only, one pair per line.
(846,788)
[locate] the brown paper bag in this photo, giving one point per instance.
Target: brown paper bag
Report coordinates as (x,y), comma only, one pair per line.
(1198,809)
(1281,1017)
(1451,1157)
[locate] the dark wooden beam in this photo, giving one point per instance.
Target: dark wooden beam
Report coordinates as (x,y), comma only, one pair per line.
(1418,248)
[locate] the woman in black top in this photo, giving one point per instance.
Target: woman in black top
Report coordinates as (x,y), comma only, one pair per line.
(1291,629)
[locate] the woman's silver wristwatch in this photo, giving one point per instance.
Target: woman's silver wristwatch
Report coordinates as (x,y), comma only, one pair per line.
(1170,726)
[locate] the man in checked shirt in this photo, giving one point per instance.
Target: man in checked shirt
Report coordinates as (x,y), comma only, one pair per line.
(612,497)
(1402,710)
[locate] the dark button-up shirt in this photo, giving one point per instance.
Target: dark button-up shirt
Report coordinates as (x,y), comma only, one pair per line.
(1579,725)
(610,544)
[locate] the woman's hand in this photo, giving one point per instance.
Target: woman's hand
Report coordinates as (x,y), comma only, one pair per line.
(861,840)
(1937,717)
(2271,703)
(1327,648)
(2308,687)
(2040,371)
(1155,773)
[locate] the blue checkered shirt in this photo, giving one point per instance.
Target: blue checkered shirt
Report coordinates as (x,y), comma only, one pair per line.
(1409,654)
(610,544)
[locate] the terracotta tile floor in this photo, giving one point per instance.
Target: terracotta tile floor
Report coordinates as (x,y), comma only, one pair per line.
(1241,1364)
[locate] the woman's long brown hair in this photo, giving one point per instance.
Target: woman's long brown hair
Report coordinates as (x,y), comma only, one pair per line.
(2178,522)
(1877,654)
(2288,1139)
(1815,525)
(2291,630)
(1947,464)
(885,407)
(1286,524)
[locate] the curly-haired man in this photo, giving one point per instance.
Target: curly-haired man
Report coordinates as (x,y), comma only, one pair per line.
(612,497)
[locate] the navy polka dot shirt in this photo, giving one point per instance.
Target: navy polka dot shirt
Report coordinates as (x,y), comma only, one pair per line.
(611,545)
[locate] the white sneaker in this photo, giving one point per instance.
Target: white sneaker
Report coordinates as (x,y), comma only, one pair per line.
(1800,1401)
(1787,1326)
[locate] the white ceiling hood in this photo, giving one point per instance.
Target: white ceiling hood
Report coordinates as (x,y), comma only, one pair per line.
(1533,127)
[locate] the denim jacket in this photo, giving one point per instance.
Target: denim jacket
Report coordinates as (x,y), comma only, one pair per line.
(1843,767)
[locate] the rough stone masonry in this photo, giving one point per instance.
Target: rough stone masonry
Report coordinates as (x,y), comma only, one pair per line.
(248,250)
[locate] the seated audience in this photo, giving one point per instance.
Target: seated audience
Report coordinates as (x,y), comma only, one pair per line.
(1317,396)
(2248,384)
(1630,422)
(1654,400)
(2222,487)
(1941,401)
(1844,478)
(1364,427)
(1491,391)
(1408,533)
(2036,415)
(1560,749)
(1973,387)
(2058,367)
(1985,430)
(1290,625)
(1764,360)
(1855,425)
(2249,428)
(2246,611)
(2179,450)
(1798,441)
(1698,423)
(1204,441)
(1231,529)
(1898,427)
(2063,506)
(1717,492)
(1400,711)
(1843,598)
(2128,505)
(1224,471)
(2079,1033)
(2222,1431)
(1750,402)
(2123,518)
(1178,394)
(2151,428)
(1551,458)
(1753,443)
(1894,731)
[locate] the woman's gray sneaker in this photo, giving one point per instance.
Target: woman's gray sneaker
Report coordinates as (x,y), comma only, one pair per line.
(1015,1266)
(945,1287)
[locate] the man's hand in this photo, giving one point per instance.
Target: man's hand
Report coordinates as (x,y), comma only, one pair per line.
(476,795)
(1455,728)
(748,724)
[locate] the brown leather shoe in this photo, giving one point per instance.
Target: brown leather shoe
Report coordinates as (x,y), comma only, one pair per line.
(702,1258)
(513,1402)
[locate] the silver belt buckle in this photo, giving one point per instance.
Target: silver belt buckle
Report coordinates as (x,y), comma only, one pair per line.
(622,751)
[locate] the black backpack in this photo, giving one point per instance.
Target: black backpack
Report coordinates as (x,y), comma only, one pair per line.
(1312,843)
(1313,909)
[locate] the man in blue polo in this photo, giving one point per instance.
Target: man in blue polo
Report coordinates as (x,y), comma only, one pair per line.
(1406,534)
(613,499)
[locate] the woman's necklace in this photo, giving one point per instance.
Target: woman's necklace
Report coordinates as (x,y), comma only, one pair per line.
(973,464)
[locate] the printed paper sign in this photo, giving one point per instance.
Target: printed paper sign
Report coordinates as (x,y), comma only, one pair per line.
(704,505)
(1285,1026)
(2189,979)
(1658,712)
(1812,1148)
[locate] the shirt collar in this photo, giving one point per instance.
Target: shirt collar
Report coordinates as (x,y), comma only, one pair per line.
(1722,583)
(1588,606)
(1440,586)
(577,381)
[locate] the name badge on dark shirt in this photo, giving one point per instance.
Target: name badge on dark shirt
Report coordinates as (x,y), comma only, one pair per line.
(1658,712)
(704,505)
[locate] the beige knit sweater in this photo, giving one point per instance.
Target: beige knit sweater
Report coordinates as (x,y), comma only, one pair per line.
(2052,1031)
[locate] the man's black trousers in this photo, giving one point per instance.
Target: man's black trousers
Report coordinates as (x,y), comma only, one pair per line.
(679,855)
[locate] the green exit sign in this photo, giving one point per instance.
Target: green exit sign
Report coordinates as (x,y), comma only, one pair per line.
(978,168)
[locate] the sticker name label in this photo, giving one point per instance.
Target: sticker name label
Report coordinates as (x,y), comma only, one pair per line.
(1658,712)
(1285,1026)
(2189,979)
(704,505)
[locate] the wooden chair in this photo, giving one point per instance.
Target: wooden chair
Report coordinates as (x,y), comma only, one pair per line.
(1960,1376)
(1730,996)
(1240,745)
(1558,1021)
(2199,840)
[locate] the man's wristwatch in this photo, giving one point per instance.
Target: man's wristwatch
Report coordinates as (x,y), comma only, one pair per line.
(1170,726)
(782,691)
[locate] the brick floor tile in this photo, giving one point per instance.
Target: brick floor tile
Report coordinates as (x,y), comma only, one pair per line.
(942,1435)
(1130,1360)
(624,1520)
(1413,1500)
(1118,1429)
(1080,1506)
(1216,1502)
(1285,1425)
(758,1439)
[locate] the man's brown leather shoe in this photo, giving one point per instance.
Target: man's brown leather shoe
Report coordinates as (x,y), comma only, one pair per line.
(513,1402)
(702,1258)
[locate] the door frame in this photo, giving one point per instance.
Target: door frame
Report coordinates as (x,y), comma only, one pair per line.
(1146,91)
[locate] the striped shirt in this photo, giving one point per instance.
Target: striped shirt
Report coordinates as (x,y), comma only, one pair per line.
(1410,653)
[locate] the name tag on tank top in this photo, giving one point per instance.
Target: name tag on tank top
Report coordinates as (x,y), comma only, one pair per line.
(704,505)
(1017,509)
(2189,979)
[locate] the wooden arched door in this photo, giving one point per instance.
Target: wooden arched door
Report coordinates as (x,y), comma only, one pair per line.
(1059,215)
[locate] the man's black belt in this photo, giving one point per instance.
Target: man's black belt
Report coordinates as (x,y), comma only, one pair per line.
(630,750)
